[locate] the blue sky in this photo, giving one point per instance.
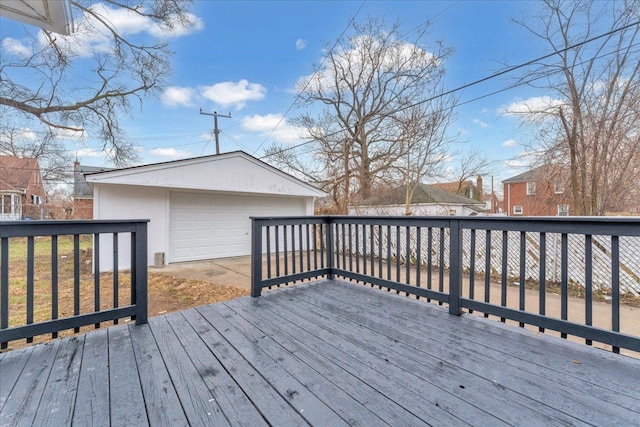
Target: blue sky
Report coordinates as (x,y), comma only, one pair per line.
(244,58)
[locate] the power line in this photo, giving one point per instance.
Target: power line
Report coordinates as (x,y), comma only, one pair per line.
(476,82)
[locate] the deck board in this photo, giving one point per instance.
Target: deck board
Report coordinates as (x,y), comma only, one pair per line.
(323,353)
(447,380)
(545,357)
(92,398)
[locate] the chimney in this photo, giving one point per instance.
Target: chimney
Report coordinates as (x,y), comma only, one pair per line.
(479,185)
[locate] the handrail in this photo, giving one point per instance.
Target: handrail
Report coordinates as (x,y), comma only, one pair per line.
(449,259)
(53,231)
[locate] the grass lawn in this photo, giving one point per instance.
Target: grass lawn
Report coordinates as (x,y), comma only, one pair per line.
(166,293)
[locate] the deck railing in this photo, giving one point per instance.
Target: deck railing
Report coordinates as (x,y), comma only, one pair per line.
(19,242)
(558,274)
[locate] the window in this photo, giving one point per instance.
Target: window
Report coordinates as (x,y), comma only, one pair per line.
(558,187)
(517,210)
(36,200)
(563,210)
(9,204)
(531,188)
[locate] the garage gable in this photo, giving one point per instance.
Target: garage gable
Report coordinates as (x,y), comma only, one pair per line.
(235,172)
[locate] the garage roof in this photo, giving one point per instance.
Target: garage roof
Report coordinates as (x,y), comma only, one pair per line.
(50,15)
(236,172)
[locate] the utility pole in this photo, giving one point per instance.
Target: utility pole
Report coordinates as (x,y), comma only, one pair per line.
(216,131)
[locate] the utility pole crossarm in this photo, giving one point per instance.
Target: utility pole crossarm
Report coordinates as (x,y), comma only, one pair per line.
(216,131)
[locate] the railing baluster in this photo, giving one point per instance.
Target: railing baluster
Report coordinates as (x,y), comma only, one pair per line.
(315,245)
(324,231)
(293,249)
(357,240)
(364,249)
(4,287)
(588,282)
(523,260)
(615,287)
(380,274)
(330,249)
(564,279)
(277,238)
(96,275)
(76,277)
(116,280)
(487,270)
(30,284)
(300,247)
(308,247)
(286,252)
(54,281)
(388,254)
(472,265)
(268,237)
(505,264)
(441,262)
(350,250)
(344,247)
(408,257)
(543,276)
(418,256)
(429,259)
(371,251)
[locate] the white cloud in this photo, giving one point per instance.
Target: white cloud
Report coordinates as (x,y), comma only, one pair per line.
(169,153)
(234,94)
(274,126)
(485,111)
(534,109)
(510,143)
(178,96)
(16,47)
(90,152)
(480,123)
(301,44)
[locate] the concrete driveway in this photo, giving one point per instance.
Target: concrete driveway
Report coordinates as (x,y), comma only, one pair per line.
(235,271)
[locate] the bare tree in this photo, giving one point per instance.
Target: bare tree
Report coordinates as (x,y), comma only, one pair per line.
(591,124)
(367,86)
(424,141)
(45,78)
(55,162)
(470,164)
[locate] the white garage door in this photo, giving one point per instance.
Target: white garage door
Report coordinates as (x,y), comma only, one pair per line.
(206,226)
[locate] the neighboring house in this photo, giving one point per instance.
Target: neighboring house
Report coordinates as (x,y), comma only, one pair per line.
(199,208)
(82,194)
(22,194)
(493,204)
(542,191)
(465,188)
(427,200)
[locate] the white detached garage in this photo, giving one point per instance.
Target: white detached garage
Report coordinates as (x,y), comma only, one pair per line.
(198,208)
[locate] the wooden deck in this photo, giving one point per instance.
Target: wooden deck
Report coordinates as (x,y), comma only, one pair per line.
(325,354)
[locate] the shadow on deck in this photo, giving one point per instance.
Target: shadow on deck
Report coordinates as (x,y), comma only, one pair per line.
(323,353)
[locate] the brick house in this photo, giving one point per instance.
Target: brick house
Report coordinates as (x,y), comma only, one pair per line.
(543,191)
(22,194)
(82,194)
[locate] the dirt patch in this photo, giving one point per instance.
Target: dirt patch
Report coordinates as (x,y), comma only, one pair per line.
(168,293)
